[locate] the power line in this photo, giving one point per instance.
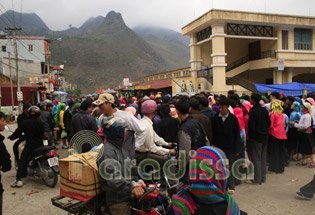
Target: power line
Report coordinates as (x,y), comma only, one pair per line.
(24,44)
(21,11)
(25,34)
(13,13)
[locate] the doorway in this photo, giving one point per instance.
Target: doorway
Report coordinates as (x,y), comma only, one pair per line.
(254,51)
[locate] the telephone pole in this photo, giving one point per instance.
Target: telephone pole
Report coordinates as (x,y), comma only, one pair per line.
(47,62)
(19,92)
(11,85)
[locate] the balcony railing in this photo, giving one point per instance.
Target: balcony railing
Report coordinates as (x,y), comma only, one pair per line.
(243,60)
(303,46)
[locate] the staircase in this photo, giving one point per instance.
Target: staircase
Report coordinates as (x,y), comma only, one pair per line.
(241,82)
(240,65)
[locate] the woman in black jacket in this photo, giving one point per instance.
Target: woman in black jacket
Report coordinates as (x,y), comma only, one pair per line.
(5,162)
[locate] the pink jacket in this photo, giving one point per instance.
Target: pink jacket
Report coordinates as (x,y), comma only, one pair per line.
(277,126)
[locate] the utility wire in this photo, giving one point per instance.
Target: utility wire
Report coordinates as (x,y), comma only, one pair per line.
(13,13)
(10,22)
(21,12)
(21,42)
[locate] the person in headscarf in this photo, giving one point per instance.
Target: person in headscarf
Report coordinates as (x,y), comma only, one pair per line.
(293,133)
(246,106)
(59,121)
(96,114)
(211,101)
(55,108)
(277,137)
(131,110)
(206,193)
(304,127)
(76,108)
(312,102)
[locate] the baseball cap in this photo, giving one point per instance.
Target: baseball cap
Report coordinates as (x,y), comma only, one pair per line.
(106,97)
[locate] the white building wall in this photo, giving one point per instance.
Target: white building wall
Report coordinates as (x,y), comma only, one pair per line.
(37,54)
(27,68)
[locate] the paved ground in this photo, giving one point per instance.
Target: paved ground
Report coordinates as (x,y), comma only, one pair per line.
(276,196)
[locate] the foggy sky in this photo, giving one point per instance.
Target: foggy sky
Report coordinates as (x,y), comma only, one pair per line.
(172,14)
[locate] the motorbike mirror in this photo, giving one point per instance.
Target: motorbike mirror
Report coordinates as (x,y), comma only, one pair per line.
(7,128)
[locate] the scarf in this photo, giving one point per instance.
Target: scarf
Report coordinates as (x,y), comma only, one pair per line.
(309,108)
(211,100)
(310,100)
(208,178)
(247,105)
(61,107)
(298,107)
(76,108)
(276,106)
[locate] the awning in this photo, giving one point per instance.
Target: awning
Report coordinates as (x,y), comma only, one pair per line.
(290,89)
(154,85)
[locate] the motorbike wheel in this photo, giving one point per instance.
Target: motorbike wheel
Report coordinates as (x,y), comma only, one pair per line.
(51,178)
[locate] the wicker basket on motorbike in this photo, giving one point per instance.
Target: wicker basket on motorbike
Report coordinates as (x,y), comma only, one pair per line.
(79,176)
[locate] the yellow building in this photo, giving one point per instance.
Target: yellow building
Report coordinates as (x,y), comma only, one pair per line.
(233,49)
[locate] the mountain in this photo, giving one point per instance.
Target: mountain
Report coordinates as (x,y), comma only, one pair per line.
(170,45)
(103,57)
(103,51)
(30,22)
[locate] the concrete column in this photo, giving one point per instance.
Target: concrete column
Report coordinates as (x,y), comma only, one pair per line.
(287,75)
(195,56)
(277,76)
(291,39)
(218,58)
(279,42)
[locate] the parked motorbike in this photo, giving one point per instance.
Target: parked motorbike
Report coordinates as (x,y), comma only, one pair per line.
(155,201)
(44,164)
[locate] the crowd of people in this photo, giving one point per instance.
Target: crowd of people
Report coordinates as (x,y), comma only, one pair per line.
(270,132)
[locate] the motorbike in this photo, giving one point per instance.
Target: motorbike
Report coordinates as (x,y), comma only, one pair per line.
(156,200)
(44,164)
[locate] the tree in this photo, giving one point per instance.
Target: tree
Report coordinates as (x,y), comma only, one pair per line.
(75,92)
(70,26)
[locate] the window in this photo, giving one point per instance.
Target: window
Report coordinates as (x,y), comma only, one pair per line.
(4,48)
(285,41)
(303,39)
(30,48)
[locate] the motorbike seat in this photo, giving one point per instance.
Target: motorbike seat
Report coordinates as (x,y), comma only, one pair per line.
(42,150)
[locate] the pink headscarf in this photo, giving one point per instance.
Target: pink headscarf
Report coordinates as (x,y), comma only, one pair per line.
(131,110)
(122,101)
(247,105)
(56,101)
(211,100)
(239,114)
(311,101)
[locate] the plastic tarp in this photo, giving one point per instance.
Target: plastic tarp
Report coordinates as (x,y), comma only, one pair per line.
(290,89)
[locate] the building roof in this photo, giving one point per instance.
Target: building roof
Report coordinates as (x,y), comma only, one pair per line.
(31,86)
(56,67)
(27,37)
(161,73)
(216,16)
(154,84)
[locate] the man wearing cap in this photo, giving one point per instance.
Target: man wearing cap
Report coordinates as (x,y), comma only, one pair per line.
(137,131)
(158,99)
